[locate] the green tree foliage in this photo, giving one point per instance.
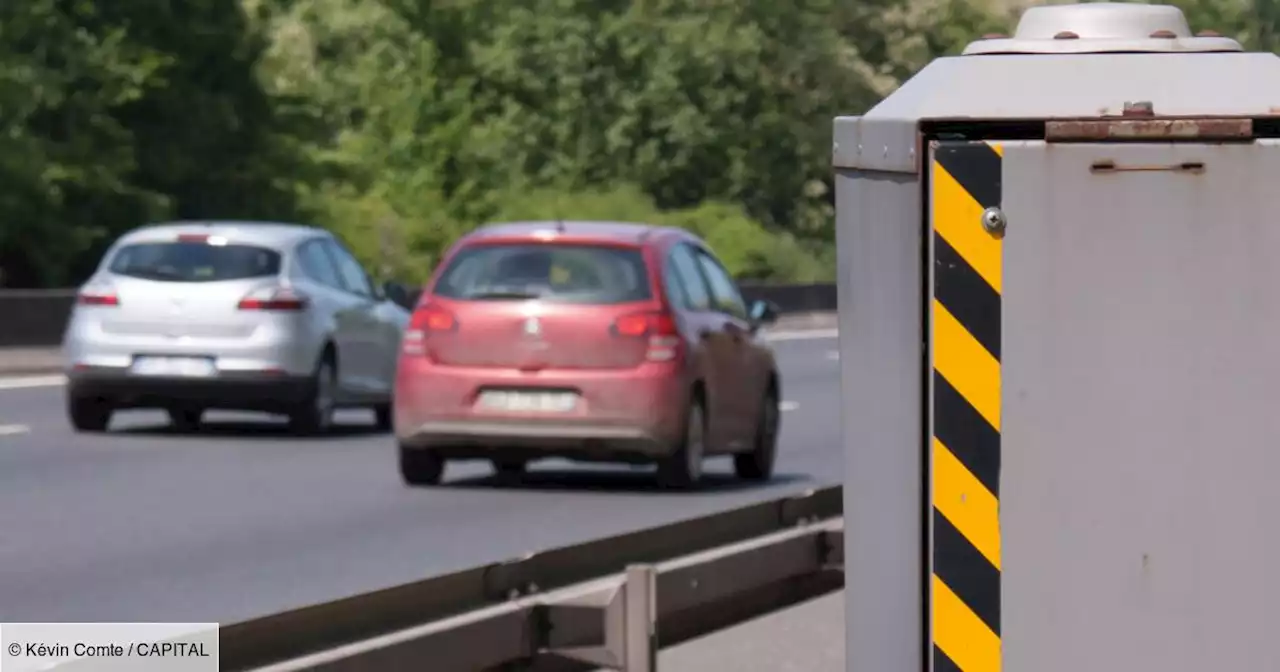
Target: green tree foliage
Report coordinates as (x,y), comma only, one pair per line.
(747,249)
(119,113)
(65,161)
(718,113)
(402,124)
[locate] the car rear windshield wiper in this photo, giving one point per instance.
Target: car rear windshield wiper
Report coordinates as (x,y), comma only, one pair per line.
(154,274)
(505,294)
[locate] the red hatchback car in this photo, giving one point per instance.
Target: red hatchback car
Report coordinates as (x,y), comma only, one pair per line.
(592,341)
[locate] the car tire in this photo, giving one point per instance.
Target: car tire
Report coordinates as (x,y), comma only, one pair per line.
(383,418)
(682,470)
(186,419)
(419,466)
(510,471)
(314,415)
(89,414)
(757,465)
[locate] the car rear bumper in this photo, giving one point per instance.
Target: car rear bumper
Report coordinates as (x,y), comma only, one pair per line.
(524,440)
(270,349)
(231,391)
(626,414)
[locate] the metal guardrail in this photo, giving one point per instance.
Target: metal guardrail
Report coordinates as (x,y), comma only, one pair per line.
(572,608)
(817,297)
(37,317)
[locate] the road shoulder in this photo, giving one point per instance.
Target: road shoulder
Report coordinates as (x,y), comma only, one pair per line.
(29,361)
(808,637)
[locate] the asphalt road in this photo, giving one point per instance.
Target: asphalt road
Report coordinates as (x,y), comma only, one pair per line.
(241,520)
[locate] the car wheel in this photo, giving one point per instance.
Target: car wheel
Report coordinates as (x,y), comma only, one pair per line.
(315,414)
(510,471)
(757,465)
(186,419)
(420,466)
(382,417)
(683,469)
(89,414)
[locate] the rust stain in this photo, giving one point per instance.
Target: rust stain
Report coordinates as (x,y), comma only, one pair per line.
(1134,129)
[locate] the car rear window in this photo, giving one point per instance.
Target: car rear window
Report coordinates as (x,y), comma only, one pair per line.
(590,274)
(194,262)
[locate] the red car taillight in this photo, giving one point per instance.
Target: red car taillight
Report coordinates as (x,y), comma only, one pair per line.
(427,319)
(98,299)
(658,326)
(274,299)
(98,294)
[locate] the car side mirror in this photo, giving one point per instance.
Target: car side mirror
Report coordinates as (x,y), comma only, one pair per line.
(395,293)
(763,312)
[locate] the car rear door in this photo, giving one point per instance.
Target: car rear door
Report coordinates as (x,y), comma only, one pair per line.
(390,322)
(329,296)
(706,326)
(357,324)
(734,342)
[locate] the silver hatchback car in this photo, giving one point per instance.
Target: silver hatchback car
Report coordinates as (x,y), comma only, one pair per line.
(246,316)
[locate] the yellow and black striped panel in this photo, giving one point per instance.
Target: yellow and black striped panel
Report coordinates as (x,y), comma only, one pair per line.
(967,262)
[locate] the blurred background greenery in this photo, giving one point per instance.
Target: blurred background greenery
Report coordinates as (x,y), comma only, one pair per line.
(400,124)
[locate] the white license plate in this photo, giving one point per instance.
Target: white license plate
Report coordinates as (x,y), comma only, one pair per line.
(528,402)
(184,367)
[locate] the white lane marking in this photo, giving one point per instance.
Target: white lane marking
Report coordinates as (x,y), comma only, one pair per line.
(788,406)
(801,335)
(13,430)
(31,381)
(834,355)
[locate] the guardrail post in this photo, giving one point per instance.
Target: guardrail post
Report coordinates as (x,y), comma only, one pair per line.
(640,619)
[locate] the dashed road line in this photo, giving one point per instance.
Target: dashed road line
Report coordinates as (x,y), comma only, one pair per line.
(13,430)
(25,382)
(801,335)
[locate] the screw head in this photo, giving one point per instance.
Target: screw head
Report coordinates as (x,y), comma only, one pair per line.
(994,221)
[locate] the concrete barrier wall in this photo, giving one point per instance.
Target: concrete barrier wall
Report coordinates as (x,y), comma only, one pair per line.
(36,318)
